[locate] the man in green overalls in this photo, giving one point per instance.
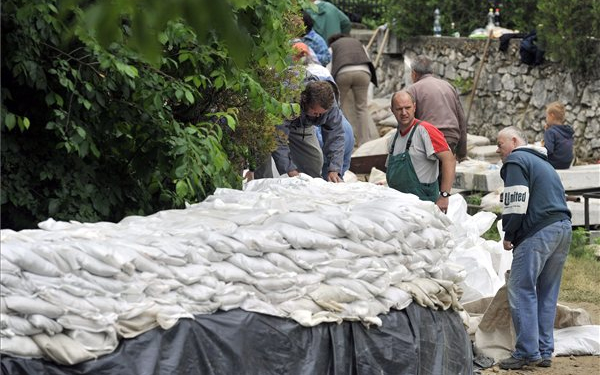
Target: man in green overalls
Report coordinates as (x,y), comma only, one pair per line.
(415,153)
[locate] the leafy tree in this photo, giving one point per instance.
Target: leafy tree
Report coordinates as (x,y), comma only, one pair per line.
(98,124)
(569,31)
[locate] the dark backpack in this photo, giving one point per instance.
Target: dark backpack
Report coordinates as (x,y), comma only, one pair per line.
(530,53)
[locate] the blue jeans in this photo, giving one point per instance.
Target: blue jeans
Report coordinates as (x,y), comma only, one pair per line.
(533,286)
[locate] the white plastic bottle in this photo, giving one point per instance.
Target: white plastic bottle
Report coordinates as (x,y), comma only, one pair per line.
(437,26)
(490,20)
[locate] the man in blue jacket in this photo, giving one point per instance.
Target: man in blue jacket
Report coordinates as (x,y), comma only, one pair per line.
(537,228)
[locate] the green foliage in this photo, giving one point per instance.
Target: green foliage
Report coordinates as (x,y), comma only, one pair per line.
(97,125)
(569,31)
(409,18)
(580,245)
(492,233)
(463,86)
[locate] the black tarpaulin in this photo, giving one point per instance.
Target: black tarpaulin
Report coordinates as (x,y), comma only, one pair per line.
(415,340)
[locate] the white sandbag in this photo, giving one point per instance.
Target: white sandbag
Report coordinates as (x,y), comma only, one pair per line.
(356,286)
(62,349)
(168,316)
(143,264)
(258,238)
(577,340)
(308,319)
(190,273)
(227,272)
(98,343)
(231,298)
(333,293)
(109,251)
(106,304)
(226,244)
(72,321)
(110,285)
(21,346)
(8,267)
(260,306)
(307,221)
(396,298)
(16,283)
(274,284)
(19,255)
(369,228)
(62,298)
(198,292)
(329,272)
(256,266)
(18,325)
(306,259)
(356,248)
(80,283)
(33,305)
(49,326)
(52,254)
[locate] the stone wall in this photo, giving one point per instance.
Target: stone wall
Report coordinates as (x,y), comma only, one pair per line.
(508,91)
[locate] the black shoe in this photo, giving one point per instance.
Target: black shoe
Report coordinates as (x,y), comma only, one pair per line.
(512,363)
(546,362)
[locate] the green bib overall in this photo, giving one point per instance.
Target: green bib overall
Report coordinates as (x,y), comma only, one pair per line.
(401,173)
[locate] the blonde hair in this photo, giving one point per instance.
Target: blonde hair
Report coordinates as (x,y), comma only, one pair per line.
(557,110)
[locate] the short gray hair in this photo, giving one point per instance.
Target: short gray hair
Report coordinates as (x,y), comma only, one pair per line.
(404,92)
(513,131)
(421,65)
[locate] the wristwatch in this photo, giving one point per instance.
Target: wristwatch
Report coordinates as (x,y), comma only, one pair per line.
(444,194)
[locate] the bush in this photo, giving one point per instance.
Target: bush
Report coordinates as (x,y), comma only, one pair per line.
(112,109)
(567,29)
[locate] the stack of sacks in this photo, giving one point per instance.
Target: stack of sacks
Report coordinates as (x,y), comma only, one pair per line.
(293,247)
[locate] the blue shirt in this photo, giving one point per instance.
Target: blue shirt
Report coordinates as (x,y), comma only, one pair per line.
(318,44)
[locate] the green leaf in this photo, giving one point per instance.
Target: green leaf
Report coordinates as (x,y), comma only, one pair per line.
(50,99)
(189,96)
(184,57)
(286,109)
(81,131)
(26,123)
(59,100)
(94,150)
(230,121)
(181,188)
(180,171)
(163,38)
(10,121)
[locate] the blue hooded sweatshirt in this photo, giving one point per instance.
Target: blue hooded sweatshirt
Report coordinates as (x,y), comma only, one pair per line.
(558,140)
(534,196)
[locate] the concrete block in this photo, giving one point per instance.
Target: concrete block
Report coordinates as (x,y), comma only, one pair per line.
(580,177)
(477,175)
(485,153)
(578,212)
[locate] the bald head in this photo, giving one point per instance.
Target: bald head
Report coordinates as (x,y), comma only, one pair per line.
(403,107)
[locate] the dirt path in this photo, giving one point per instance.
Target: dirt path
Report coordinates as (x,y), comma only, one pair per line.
(573,365)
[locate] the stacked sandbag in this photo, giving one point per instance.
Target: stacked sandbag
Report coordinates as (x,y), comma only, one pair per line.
(299,248)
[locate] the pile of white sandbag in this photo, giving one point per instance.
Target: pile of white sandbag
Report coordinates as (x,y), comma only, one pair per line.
(300,248)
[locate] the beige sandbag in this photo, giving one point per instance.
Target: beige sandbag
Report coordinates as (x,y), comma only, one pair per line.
(62,349)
